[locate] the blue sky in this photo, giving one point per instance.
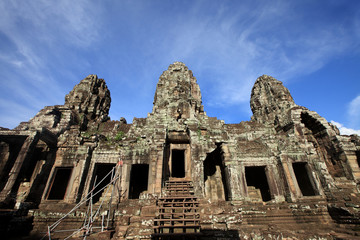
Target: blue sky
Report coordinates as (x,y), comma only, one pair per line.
(47,47)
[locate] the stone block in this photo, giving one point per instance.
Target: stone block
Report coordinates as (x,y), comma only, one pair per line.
(148,211)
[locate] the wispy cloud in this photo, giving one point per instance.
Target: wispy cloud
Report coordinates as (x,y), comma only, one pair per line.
(344,130)
(45,46)
(239,43)
(354,112)
(35,36)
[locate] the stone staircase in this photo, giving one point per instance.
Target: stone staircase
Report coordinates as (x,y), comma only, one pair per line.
(177,212)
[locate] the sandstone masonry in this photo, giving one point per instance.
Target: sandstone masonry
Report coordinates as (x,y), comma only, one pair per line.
(285,174)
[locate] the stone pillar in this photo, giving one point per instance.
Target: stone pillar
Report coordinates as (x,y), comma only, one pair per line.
(242,182)
(288,172)
(123,185)
(350,158)
(127,175)
(25,151)
(4,155)
(233,177)
(271,175)
(159,169)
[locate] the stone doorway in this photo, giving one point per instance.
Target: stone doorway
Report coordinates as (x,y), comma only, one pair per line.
(59,183)
(9,148)
(257,183)
(138,180)
(101,171)
(214,176)
(323,144)
(178,163)
(305,182)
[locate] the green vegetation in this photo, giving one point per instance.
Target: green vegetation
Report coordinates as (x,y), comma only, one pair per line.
(119,136)
(199,134)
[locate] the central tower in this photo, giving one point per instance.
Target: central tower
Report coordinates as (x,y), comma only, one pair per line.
(177,93)
(177,102)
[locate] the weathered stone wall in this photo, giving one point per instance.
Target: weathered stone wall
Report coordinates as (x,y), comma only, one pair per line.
(278,175)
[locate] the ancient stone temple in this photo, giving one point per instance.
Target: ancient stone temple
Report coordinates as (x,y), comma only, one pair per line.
(71,172)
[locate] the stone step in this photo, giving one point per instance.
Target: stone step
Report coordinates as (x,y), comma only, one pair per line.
(179,217)
(178,226)
(177,220)
(177,198)
(177,209)
(173,209)
(186,235)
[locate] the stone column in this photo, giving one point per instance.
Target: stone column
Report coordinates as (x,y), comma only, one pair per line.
(350,161)
(243,192)
(25,150)
(288,172)
(4,155)
(271,175)
(159,169)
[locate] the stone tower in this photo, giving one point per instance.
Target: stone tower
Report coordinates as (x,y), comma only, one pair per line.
(285,173)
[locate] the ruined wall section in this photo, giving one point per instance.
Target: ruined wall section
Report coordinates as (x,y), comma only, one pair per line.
(270,101)
(77,124)
(206,136)
(87,104)
(139,143)
(56,119)
(302,137)
(178,109)
(90,99)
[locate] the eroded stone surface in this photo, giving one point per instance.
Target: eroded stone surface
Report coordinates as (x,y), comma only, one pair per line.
(285,173)
(90,98)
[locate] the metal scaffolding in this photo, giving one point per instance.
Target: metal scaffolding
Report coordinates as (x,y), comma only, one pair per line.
(92,214)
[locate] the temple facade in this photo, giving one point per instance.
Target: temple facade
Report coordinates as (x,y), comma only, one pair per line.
(286,173)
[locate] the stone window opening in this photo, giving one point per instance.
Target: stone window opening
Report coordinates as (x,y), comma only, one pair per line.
(10,148)
(305,182)
(257,183)
(312,124)
(323,144)
(100,171)
(34,162)
(214,176)
(358,157)
(138,180)
(178,163)
(59,183)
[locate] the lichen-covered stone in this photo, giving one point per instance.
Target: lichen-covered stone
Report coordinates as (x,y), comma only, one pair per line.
(286,173)
(90,98)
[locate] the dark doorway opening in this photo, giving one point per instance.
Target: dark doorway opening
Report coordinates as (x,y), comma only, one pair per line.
(13,145)
(178,163)
(323,144)
(138,180)
(303,179)
(214,176)
(59,183)
(38,155)
(358,157)
(103,178)
(256,177)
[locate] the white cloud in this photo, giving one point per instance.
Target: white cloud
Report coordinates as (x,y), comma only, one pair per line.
(39,36)
(40,31)
(354,111)
(237,47)
(344,130)
(227,45)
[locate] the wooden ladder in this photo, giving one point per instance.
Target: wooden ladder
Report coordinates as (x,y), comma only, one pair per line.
(177,212)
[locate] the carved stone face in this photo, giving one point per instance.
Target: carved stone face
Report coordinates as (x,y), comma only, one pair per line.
(90,97)
(177,93)
(269,98)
